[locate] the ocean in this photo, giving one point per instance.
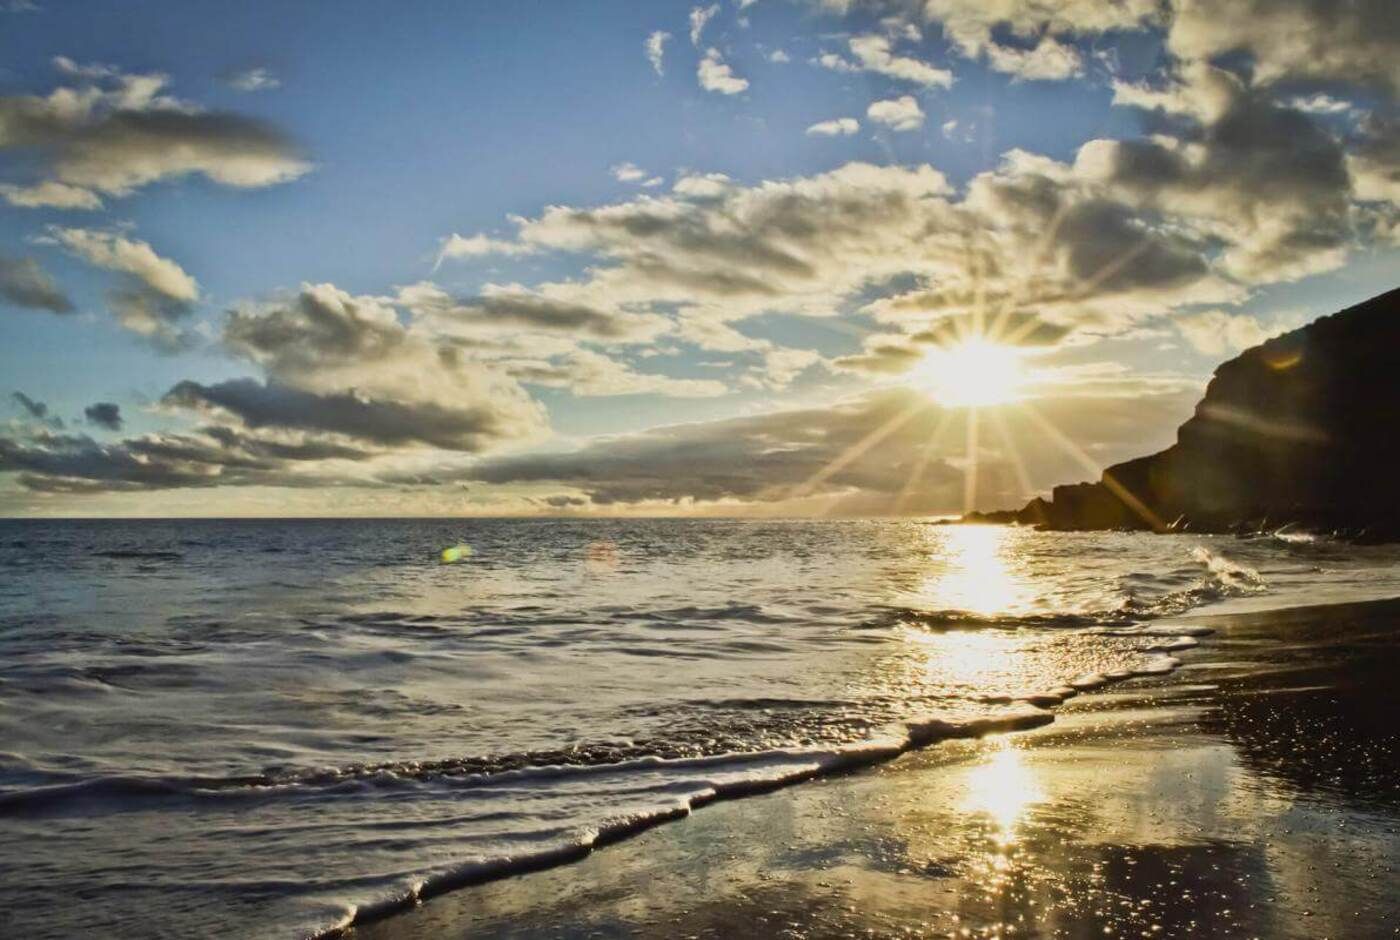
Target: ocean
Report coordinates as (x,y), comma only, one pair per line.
(249,728)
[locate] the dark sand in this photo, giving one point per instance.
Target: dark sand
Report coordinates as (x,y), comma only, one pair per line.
(1254,793)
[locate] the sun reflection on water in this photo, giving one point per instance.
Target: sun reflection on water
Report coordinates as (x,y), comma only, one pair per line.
(979,572)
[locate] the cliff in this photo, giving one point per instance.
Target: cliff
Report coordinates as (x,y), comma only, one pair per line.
(1303,429)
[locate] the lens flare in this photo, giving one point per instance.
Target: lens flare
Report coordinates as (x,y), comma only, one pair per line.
(455,553)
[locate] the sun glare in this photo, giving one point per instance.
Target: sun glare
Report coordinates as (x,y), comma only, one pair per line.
(973,373)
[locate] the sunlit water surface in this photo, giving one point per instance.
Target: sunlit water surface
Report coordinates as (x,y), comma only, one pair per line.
(252,728)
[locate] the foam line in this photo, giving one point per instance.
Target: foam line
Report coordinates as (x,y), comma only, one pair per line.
(726,780)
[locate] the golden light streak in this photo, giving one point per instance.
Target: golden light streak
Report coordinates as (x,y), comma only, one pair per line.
(970,467)
(1129,499)
(925,455)
(844,459)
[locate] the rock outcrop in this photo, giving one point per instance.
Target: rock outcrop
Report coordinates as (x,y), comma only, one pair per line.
(1303,429)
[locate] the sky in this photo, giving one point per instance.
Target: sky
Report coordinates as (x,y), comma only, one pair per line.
(756,257)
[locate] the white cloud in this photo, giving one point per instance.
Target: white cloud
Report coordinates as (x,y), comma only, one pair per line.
(899,114)
(628,173)
(478,246)
(253,79)
(702,185)
(716,75)
(837,127)
(699,19)
(779,57)
(129,256)
(873,54)
(1048,60)
(655,47)
(1320,104)
(1216,332)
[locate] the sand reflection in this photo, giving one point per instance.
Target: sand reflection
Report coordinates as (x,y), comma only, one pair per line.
(1001,789)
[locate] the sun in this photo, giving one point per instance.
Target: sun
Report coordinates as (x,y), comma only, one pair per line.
(973,373)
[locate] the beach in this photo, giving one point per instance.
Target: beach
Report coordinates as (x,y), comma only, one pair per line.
(1253,793)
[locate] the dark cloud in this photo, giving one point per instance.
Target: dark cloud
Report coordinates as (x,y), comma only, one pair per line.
(760,457)
(379,421)
(321,327)
(889,358)
(24,284)
(1351,41)
(1267,181)
(864,452)
(36,409)
(153,316)
(115,133)
(104,414)
(77,464)
(535,312)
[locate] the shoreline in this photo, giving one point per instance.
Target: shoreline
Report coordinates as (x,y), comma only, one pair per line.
(1038,711)
(1208,711)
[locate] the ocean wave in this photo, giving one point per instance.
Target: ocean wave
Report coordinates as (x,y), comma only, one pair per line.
(1212,577)
(704,780)
(138,554)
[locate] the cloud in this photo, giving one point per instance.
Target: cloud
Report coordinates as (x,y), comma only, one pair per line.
(899,114)
(157,292)
(24,284)
(104,414)
(587,373)
(655,48)
(1036,234)
(342,363)
(479,246)
(874,54)
(76,464)
(35,409)
(50,194)
(129,256)
(631,173)
(258,78)
(513,307)
(1356,42)
(1374,165)
(1047,60)
(699,19)
(359,415)
(1266,179)
(898,353)
(779,57)
(1217,332)
(883,356)
(716,75)
(112,133)
(1319,103)
(863,455)
(837,127)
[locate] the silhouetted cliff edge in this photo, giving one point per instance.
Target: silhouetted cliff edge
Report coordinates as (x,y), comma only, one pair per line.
(1303,429)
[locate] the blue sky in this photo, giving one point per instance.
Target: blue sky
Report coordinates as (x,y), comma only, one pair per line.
(344,145)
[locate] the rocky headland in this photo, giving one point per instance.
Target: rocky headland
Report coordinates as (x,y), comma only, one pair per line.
(1302,430)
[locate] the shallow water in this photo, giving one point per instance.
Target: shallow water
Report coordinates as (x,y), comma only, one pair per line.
(249,728)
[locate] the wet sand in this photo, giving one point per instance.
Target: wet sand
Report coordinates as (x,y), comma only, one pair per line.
(1254,793)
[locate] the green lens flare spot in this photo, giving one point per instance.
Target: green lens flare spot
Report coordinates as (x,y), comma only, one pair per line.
(456,553)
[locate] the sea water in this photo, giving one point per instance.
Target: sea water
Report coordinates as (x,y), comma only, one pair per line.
(277,728)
